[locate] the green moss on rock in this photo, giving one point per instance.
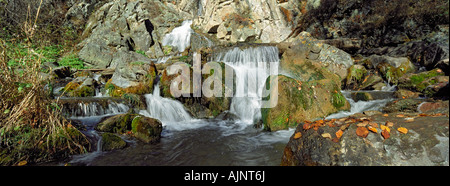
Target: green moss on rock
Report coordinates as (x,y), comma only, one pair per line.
(111,142)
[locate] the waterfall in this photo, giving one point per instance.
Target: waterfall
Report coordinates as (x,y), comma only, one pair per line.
(92,107)
(180,37)
(164,109)
(252,66)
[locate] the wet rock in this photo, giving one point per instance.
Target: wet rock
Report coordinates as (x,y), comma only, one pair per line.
(199,107)
(112,142)
(306,48)
(425,142)
(434,107)
(134,78)
(428,83)
(403,105)
(146,129)
(299,101)
(119,29)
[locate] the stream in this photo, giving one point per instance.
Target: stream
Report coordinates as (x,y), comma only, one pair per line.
(201,142)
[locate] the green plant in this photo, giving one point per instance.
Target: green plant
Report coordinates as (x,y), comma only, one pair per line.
(141,52)
(72,61)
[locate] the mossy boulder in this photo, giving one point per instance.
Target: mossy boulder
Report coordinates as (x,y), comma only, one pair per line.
(80,87)
(146,129)
(427,83)
(143,128)
(199,107)
(299,101)
(111,142)
(134,78)
(390,68)
(116,124)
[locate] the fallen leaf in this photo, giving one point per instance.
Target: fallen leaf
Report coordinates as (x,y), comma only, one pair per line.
(423,115)
(343,127)
(385,115)
(362,132)
(339,134)
(383,127)
(373,129)
(306,126)
(389,124)
(400,116)
(402,130)
(363,124)
(22,163)
(336,140)
(297,135)
(409,120)
(326,135)
(385,134)
(373,124)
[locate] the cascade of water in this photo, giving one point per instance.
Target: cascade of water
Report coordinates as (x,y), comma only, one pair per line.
(164,109)
(180,37)
(91,109)
(252,66)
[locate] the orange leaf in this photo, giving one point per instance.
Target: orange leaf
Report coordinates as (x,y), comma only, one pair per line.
(339,134)
(373,129)
(383,127)
(373,124)
(385,115)
(362,132)
(297,135)
(306,126)
(385,134)
(400,116)
(402,130)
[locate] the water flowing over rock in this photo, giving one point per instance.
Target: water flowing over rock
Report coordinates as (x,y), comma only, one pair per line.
(180,37)
(88,107)
(252,65)
(164,109)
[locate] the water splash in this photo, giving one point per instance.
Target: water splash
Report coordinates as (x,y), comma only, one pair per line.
(164,109)
(180,37)
(252,66)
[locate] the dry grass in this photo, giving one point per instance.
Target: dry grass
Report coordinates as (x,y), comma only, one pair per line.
(31,124)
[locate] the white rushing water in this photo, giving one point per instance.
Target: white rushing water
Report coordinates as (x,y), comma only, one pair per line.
(252,66)
(180,37)
(170,112)
(92,109)
(359,106)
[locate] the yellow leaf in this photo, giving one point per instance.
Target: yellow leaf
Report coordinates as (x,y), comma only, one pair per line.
(402,130)
(22,163)
(326,135)
(373,129)
(297,135)
(383,127)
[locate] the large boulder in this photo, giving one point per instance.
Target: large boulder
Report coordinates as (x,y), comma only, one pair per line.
(120,31)
(300,101)
(145,129)
(250,21)
(199,107)
(397,139)
(304,48)
(134,78)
